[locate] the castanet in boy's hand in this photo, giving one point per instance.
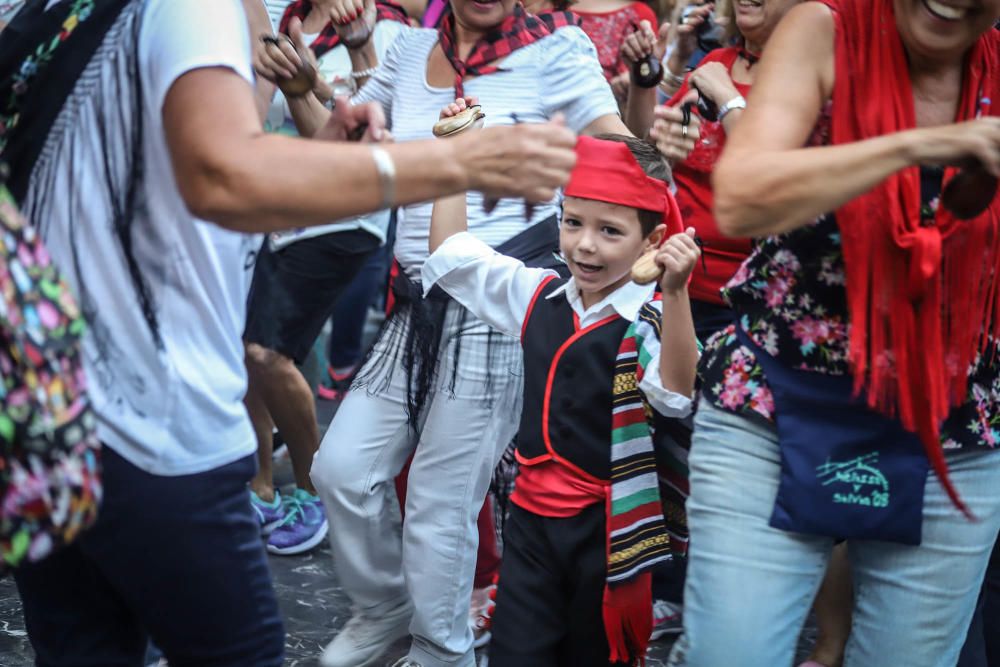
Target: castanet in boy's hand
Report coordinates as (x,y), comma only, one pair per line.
(646,270)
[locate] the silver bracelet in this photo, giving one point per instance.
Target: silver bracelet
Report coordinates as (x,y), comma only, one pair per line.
(386,176)
(364,74)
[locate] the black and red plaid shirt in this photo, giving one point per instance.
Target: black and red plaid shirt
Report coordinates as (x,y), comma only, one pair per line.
(328,37)
(517,30)
(556,19)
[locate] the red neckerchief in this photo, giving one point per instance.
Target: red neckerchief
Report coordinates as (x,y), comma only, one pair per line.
(517,30)
(556,19)
(922,299)
(328,37)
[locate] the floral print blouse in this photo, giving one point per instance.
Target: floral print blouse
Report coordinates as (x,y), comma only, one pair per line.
(790,299)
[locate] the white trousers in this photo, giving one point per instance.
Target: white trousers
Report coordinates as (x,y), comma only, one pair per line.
(457,443)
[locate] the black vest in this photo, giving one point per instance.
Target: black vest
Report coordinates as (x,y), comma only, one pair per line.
(568,379)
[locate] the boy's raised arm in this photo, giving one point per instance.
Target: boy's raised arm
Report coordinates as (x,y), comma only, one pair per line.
(449,217)
(679,345)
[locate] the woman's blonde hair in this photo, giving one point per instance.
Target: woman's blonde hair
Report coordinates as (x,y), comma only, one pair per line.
(726,10)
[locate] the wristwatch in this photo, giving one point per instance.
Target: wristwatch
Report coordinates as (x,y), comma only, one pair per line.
(738,102)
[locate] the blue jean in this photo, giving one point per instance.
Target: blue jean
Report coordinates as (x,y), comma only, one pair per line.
(177,559)
(749,586)
(982,646)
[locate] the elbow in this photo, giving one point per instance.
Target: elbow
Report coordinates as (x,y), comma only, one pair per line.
(736,200)
(727,217)
(215,190)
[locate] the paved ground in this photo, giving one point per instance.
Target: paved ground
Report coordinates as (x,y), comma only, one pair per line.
(313,604)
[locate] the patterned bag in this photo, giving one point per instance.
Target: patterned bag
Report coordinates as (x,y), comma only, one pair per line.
(50,484)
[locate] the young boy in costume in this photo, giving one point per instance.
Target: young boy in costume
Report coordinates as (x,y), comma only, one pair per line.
(586,525)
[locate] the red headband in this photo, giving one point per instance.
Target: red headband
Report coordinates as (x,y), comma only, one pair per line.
(607,171)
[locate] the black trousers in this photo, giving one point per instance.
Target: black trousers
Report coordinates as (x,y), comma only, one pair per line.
(550,592)
(294,290)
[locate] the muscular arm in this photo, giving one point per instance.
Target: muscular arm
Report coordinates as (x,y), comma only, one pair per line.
(765,182)
(231,172)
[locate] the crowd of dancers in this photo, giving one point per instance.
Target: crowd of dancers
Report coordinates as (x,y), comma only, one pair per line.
(689,321)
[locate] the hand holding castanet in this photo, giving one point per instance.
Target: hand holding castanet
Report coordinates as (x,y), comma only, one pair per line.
(646,270)
(671,263)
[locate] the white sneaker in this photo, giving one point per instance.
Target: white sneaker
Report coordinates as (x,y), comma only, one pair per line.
(668,619)
(363,640)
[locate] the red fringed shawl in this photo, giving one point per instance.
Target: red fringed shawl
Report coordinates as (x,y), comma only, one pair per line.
(922,300)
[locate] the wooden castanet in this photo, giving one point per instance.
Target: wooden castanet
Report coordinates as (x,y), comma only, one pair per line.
(471,117)
(646,270)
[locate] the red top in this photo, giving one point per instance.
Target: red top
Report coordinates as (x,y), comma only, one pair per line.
(693,177)
(607,30)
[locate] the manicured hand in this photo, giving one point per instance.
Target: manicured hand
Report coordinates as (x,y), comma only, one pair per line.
(343,12)
(677,257)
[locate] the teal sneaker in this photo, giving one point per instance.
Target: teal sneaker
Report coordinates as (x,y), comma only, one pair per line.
(303,527)
(269,515)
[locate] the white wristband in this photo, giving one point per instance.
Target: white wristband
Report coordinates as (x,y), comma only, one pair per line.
(737,102)
(386,169)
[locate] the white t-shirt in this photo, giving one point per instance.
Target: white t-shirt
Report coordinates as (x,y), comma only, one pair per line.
(177,408)
(559,73)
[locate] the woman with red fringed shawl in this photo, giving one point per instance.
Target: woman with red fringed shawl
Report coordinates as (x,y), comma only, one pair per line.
(856,395)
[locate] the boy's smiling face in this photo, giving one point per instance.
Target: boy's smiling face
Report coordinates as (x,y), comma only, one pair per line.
(600,242)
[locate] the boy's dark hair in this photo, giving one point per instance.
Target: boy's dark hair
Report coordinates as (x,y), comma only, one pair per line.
(655,167)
